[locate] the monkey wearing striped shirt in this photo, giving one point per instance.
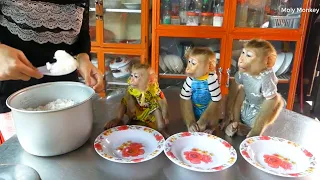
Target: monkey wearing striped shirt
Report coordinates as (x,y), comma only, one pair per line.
(200,95)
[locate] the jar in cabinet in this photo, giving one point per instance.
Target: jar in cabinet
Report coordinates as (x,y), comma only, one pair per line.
(206,19)
(175,20)
(217,19)
(192,18)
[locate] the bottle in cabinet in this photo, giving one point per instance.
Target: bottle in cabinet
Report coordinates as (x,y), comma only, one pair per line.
(166,16)
(218,13)
(242,13)
(183,7)
(205,6)
(255,13)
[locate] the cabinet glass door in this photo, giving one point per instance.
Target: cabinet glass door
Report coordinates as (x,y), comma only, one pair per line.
(283,14)
(92,21)
(192,12)
(122,21)
(172,61)
(283,65)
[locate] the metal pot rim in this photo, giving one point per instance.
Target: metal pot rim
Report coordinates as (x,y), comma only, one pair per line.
(48,84)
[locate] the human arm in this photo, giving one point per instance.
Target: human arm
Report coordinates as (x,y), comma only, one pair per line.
(92,76)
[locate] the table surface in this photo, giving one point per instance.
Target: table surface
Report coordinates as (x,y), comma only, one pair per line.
(85,163)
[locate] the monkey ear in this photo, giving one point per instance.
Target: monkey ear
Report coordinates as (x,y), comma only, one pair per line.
(271,60)
(212,63)
(152,76)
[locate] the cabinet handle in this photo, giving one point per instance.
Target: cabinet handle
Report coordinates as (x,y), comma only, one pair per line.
(220,74)
(228,79)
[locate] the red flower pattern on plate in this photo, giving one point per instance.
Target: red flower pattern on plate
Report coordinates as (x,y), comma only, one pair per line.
(130,149)
(206,158)
(226,144)
(184,134)
(98,146)
(196,156)
(307,153)
(171,154)
(219,168)
(286,165)
(265,138)
(137,160)
(193,156)
(295,175)
(276,161)
(158,137)
(272,161)
(245,153)
(124,127)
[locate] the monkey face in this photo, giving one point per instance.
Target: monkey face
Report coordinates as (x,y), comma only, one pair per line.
(251,62)
(196,68)
(139,79)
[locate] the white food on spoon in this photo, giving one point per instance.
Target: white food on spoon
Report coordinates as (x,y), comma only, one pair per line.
(65,63)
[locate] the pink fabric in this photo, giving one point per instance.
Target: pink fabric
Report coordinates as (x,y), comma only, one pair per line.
(7,128)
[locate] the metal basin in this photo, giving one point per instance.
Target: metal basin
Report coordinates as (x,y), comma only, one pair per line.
(55,132)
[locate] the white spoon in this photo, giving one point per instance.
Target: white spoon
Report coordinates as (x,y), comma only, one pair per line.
(65,64)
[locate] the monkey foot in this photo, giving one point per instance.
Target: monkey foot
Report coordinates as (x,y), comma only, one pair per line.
(243,129)
(113,123)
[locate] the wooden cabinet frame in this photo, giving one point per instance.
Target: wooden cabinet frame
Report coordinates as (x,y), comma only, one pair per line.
(101,48)
(227,34)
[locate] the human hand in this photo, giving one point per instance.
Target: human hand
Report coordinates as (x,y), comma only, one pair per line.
(92,76)
(15,65)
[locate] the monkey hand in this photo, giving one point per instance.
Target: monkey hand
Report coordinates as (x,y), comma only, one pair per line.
(231,129)
(193,127)
(113,123)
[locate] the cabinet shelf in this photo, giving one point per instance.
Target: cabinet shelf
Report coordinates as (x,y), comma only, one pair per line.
(118,10)
(116,81)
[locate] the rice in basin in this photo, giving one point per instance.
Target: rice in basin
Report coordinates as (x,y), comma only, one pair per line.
(54,105)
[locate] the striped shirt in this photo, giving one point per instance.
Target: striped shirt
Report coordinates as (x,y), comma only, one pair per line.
(213,87)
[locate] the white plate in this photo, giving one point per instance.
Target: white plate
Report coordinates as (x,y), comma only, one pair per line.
(161,64)
(129,144)
(199,151)
(167,63)
(172,62)
(279,62)
(178,65)
(285,65)
(132,5)
(278,156)
(288,60)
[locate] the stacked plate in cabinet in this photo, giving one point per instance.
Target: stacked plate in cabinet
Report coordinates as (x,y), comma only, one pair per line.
(171,64)
(283,63)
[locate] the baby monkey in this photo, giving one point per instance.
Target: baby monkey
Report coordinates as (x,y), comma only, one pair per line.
(253,102)
(200,95)
(144,102)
